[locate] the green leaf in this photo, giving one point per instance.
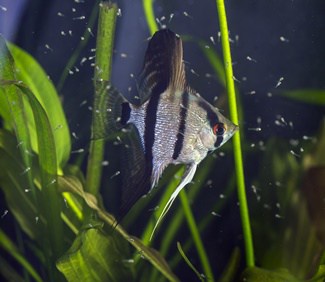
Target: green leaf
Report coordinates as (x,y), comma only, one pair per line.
(9,246)
(253,274)
(309,96)
(19,197)
(95,256)
(13,109)
(32,74)
(51,200)
(72,184)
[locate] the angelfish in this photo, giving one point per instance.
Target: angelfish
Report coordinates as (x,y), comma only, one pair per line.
(166,123)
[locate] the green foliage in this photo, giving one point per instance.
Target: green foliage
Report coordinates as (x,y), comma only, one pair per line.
(309,96)
(95,256)
(58,211)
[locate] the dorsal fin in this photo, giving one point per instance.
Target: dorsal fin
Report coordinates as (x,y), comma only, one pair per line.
(163,65)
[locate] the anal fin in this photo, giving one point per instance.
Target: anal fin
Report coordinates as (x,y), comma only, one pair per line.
(187,178)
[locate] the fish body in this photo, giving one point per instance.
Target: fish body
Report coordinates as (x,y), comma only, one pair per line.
(166,123)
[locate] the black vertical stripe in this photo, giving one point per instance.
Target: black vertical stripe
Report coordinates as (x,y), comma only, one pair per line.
(218,141)
(182,124)
(211,115)
(149,131)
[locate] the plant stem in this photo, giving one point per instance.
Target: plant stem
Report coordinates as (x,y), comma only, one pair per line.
(196,236)
(150,16)
(103,66)
(244,213)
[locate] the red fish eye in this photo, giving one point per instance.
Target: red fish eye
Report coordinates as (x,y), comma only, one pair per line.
(219,129)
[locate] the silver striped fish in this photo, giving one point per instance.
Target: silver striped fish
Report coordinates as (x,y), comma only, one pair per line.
(167,123)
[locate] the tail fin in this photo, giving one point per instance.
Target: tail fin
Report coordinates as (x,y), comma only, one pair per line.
(113,110)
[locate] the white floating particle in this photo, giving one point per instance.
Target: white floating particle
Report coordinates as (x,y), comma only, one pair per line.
(74,135)
(60,14)
(93,50)
(65,202)
(215,214)
(252,145)
(244,78)
(52,182)
(221,154)
(73,10)
(70,72)
(82,38)
(253,92)
(259,120)
(26,170)
(63,33)
(254,128)
(105,163)
(219,36)
(221,196)
(294,153)
(48,47)
(235,79)
(91,58)
(79,18)
(283,39)
(76,69)
(129,88)
(251,59)
(186,14)
(269,94)
(194,72)
(115,174)
(90,32)
(4,214)
(302,149)
(279,82)
(83,60)
(84,102)
(206,46)
(123,55)
(278,205)
(79,1)
(79,151)
(36,219)
(237,38)
(278,216)
(19,144)
(3,8)
(212,40)
(170,17)
(131,75)
(119,12)
(231,40)
(58,127)
(208,75)
(70,32)
(128,260)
